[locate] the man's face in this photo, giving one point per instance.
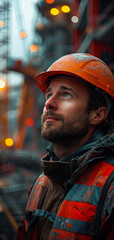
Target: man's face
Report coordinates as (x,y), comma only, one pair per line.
(65,114)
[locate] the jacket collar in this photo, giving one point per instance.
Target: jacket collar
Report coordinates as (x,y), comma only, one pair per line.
(76,163)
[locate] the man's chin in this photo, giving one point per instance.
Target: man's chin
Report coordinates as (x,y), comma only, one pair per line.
(50,134)
(46,132)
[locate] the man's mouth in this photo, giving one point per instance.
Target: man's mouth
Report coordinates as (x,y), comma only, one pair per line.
(50,118)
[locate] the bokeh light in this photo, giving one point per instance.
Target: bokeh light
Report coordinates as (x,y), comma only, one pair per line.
(49,1)
(1,23)
(22,34)
(33,48)
(54,11)
(29,122)
(9,142)
(65,9)
(2,84)
(74,19)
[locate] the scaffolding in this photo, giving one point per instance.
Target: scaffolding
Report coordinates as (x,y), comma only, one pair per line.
(4,51)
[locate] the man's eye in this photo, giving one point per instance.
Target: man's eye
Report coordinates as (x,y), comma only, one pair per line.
(48,96)
(67,95)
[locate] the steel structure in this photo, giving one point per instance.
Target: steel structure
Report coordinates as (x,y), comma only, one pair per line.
(94,32)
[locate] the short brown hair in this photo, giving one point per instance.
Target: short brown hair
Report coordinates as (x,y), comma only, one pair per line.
(97,100)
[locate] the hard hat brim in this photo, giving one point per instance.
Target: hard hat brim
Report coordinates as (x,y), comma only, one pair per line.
(42,79)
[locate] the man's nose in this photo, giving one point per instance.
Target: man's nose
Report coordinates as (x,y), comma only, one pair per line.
(51,104)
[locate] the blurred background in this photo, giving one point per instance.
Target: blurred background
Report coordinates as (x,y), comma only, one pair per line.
(33,34)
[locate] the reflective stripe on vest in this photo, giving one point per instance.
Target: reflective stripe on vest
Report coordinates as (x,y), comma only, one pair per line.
(76,216)
(64,235)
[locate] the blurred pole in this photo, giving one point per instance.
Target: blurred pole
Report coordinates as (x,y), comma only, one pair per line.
(93,13)
(76,33)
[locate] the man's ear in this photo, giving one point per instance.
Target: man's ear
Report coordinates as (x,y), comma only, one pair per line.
(98,116)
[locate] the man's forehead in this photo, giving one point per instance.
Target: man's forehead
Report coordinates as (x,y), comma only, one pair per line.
(65,80)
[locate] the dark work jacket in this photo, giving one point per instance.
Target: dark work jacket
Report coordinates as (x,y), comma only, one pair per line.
(74,166)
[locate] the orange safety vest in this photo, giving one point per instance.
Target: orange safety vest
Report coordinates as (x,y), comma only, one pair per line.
(77,213)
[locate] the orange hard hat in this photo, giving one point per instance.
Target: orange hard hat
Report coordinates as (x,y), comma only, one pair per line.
(81,65)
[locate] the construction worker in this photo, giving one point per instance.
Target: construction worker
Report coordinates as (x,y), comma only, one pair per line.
(73,198)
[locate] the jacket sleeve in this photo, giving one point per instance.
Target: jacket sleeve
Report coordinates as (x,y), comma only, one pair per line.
(20,234)
(107,216)
(21,231)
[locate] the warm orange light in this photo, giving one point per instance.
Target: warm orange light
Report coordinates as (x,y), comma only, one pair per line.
(33,48)
(1,24)
(29,122)
(65,9)
(9,142)
(22,34)
(49,1)
(54,11)
(2,84)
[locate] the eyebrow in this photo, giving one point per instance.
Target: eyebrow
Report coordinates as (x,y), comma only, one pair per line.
(62,88)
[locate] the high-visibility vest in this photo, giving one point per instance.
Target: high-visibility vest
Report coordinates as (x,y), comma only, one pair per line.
(76,217)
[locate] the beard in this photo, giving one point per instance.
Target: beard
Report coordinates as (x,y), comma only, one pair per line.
(68,130)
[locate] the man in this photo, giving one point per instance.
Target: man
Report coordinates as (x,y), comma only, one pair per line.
(72,199)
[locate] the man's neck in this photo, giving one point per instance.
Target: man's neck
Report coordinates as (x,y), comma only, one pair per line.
(62,149)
